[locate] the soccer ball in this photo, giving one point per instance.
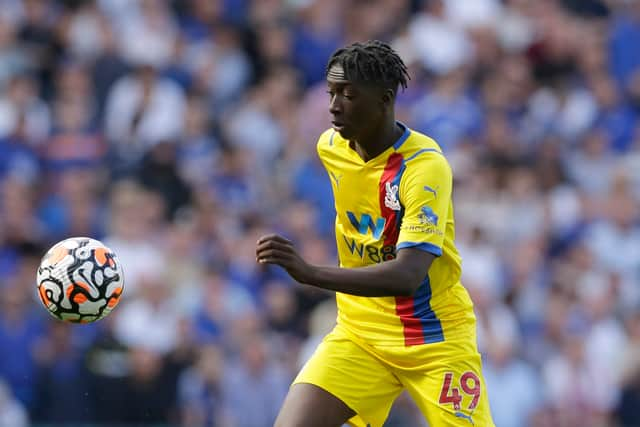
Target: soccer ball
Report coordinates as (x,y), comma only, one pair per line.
(80,280)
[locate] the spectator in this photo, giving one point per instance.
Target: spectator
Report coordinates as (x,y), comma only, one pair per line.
(12,413)
(255,386)
(514,388)
(23,112)
(60,375)
(142,110)
(201,392)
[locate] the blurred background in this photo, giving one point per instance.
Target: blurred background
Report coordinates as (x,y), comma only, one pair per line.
(179,131)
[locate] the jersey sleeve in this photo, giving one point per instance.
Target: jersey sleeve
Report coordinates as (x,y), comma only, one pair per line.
(425,194)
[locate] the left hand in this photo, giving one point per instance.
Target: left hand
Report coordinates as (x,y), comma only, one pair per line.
(275,249)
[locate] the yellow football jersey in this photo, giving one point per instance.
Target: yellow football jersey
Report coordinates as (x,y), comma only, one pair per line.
(399,199)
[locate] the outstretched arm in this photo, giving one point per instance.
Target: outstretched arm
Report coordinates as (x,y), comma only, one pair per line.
(399,277)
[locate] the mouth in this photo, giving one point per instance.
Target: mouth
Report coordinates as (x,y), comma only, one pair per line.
(337,126)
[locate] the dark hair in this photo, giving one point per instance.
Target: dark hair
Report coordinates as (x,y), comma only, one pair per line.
(372,62)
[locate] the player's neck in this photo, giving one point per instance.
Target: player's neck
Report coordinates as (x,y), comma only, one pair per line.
(378,141)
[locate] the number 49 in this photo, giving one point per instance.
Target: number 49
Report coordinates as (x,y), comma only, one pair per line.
(450,394)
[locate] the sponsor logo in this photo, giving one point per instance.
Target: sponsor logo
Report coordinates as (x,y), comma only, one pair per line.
(427,216)
(427,229)
(366,224)
(371,253)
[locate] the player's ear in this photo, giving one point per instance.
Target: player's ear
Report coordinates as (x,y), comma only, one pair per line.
(388,97)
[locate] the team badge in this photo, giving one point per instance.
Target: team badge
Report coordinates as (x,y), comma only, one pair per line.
(391,197)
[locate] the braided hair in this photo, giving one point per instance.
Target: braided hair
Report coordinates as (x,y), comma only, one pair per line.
(371,62)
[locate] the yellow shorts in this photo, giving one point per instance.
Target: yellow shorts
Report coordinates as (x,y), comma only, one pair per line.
(444,379)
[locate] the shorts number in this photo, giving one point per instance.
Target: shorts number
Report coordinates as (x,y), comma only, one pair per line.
(474,390)
(454,397)
(450,394)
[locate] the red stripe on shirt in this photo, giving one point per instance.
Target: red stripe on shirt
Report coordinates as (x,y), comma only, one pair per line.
(405,306)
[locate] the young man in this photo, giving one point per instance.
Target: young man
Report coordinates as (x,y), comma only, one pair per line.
(404,319)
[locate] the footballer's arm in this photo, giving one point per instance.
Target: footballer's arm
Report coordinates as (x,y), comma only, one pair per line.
(399,277)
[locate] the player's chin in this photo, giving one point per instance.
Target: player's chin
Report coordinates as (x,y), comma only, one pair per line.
(344,132)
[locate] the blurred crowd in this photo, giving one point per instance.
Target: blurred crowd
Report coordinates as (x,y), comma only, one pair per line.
(179,131)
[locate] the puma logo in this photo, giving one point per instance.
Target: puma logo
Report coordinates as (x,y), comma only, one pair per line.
(464,416)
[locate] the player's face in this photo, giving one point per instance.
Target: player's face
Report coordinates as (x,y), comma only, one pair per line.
(355,109)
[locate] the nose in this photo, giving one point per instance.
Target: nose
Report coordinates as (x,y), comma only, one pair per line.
(335,106)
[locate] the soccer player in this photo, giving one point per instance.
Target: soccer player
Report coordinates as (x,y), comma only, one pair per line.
(405,322)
